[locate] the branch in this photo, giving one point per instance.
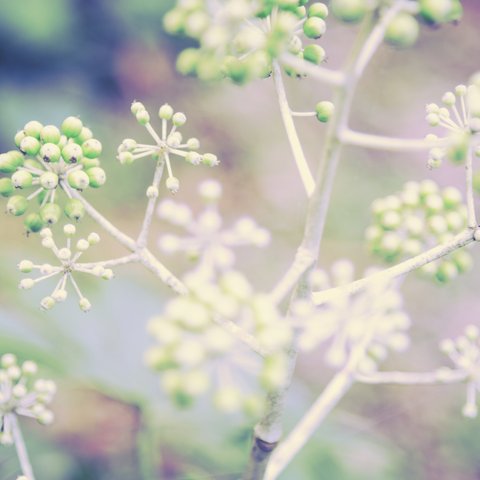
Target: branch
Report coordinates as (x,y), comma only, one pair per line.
(296,146)
(379,142)
(325,75)
(440,376)
(114,262)
(461,240)
(22,453)
(147,221)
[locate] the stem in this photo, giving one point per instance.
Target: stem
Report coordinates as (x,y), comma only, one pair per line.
(296,146)
(22,454)
(414,378)
(379,142)
(435,253)
(113,262)
(471,216)
(147,221)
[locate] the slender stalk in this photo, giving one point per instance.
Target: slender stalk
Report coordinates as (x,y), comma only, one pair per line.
(379,142)
(22,454)
(407,266)
(413,378)
(147,220)
(295,145)
(471,216)
(114,262)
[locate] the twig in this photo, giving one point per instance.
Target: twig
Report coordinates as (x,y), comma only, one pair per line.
(413,378)
(471,216)
(22,453)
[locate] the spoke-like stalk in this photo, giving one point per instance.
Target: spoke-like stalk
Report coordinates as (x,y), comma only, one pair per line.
(438,377)
(471,215)
(22,454)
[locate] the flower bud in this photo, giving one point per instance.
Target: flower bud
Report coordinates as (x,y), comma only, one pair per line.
(402,31)
(142,117)
(173,184)
(33,129)
(71,127)
(350,11)
(50,152)
(49,180)
(314,27)
(84,304)
(78,180)
(84,135)
(72,153)
(26,283)
(97,177)
(74,209)
(92,148)
(10,161)
(314,54)
(30,146)
(324,111)
(165,112)
(22,179)
(93,238)
(17,205)
(125,158)
(51,213)
(50,134)
(59,295)
(33,222)
(6,187)
(210,160)
(47,303)
(137,107)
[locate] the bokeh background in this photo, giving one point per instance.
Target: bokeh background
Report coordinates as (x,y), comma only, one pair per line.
(92,58)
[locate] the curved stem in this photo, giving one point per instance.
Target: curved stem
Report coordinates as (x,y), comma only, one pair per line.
(22,454)
(413,378)
(296,146)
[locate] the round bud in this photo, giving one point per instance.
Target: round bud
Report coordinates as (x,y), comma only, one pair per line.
(17,205)
(324,111)
(47,303)
(72,153)
(137,107)
(64,253)
(188,60)
(83,245)
(142,117)
(93,238)
(125,158)
(193,157)
(78,180)
(96,176)
(46,233)
(30,146)
(92,148)
(402,31)
(152,192)
(179,119)
(193,143)
(71,127)
(84,304)
(107,274)
(19,136)
(69,230)
(449,99)
(33,222)
(74,209)
(210,159)
(50,134)
(29,368)
(173,184)
(25,266)
(84,135)
(439,11)
(165,112)
(319,10)
(49,180)
(51,213)
(6,187)
(314,54)
(33,129)
(26,283)
(59,295)
(22,179)
(50,152)
(45,418)
(314,27)
(10,161)
(47,242)
(350,11)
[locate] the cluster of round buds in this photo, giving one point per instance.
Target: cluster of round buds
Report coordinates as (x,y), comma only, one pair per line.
(196,355)
(206,239)
(22,394)
(68,258)
(460,116)
(465,354)
(344,320)
(239,38)
(169,142)
(49,160)
(420,217)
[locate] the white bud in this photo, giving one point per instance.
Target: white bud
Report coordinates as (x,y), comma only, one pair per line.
(83,245)
(84,304)
(93,238)
(69,230)
(152,192)
(173,184)
(26,283)
(64,254)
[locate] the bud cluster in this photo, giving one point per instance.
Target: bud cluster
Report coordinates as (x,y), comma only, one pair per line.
(197,355)
(22,394)
(465,354)
(238,39)
(420,217)
(68,258)
(169,142)
(344,320)
(205,237)
(48,160)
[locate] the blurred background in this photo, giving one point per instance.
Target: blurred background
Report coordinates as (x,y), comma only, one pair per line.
(92,58)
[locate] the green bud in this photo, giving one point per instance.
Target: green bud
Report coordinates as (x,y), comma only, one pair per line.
(319,10)
(457,148)
(446,271)
(188,61)
(50,134)
(440,11)
(25,266)
(74,209)
(47,303)
(34,223)
(193,143)
(179,119)
(165,112)
(84,135)
(92,148)
(84,304)
(6,187)
(210,160)
(314,54)
(90,162)
(19,136)
(22,179)
(193,157)
(402,31)
(72,153)
(30,146)
(462,260)
(125,158)
(142,117)
(50,152)
(324,111)
(49,180)
(33,129)
(314,27)
(10,161)
(96,176)
(50,213)
(137,107)
(17,205)
(174,20)
(237,70)
(350,11)
(71,127)
(78,180)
